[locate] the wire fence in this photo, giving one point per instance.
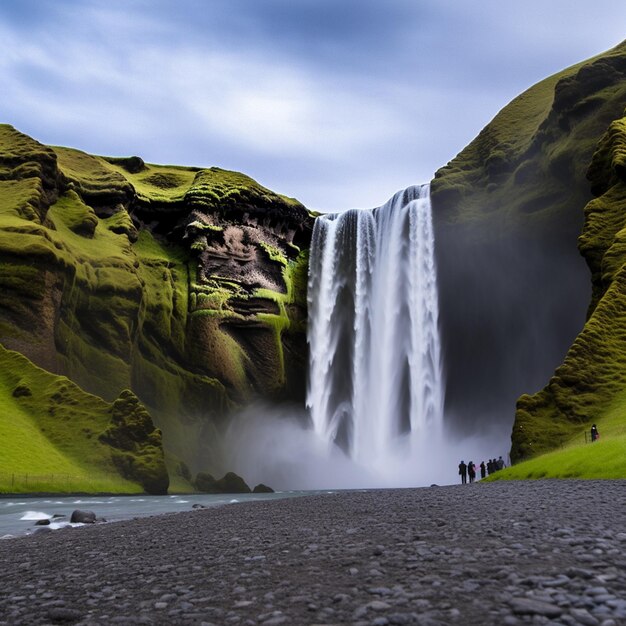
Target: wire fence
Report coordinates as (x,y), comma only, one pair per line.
(16,482)
(15,479)
(589,438)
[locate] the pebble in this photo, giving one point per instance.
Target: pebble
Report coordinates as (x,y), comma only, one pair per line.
(529,606)
(545,553)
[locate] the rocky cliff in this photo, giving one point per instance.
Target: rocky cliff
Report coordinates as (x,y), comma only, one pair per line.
(185,285)
(592,378)
(508,211)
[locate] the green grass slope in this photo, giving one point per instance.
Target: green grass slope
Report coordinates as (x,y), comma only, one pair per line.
(53,437)
(577,457)
(508,211)
(178,283)
(591,382)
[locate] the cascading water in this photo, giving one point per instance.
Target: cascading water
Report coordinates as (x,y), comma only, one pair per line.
(375,377)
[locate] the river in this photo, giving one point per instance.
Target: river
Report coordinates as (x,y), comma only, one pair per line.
(19,514)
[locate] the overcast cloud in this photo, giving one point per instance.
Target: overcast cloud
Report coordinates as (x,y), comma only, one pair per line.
(337,102)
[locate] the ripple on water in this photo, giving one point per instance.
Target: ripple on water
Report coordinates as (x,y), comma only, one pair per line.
(32,516)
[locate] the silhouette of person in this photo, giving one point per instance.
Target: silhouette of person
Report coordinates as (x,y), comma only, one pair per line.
(499,463)
(483,469)
(463,472)
(471,471)
(594,432)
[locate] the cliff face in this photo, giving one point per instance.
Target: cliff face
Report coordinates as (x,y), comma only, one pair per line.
(186,285)
(508,211)
(592,379)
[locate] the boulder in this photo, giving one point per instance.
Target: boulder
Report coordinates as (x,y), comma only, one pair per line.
(205,483)
(83,517)
(229,483)
(42,522)
(261,488)
(232,483)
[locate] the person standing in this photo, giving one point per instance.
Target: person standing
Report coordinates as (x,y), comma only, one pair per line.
(471,471)
(483,470)
(594,433)
(463,472)
(500,463)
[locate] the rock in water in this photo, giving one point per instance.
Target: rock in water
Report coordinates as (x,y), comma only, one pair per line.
(83,517)
(232,483)
(229,483)
(261,488)
(205,483)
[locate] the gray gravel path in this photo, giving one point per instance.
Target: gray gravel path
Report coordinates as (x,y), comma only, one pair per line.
(546,552)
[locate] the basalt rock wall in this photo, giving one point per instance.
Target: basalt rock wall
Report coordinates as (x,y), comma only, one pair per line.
(185,285)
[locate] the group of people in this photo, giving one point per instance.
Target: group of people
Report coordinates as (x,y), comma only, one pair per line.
(469,470)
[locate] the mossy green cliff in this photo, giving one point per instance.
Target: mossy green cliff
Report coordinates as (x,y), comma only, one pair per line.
(508,211)
(56,437)
(591,382)
(184,285)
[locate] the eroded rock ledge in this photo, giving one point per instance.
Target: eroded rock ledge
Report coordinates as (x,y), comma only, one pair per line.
(185,285)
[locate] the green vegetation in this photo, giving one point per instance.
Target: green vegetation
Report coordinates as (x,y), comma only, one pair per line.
(104,279)
(51,428)
(528,165)
(593,374)
(288,319)
(219,190)
(605,458)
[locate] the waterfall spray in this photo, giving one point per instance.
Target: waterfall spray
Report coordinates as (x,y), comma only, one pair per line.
(375,376)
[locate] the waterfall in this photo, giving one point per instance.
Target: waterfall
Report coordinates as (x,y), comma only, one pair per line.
(375,381)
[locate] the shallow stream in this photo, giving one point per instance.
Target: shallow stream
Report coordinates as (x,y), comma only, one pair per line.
(18,515)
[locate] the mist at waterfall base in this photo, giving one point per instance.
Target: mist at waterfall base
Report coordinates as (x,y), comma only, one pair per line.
(277,447)
(375,392)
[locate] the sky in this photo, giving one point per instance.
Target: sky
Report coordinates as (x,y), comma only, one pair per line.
(339,103)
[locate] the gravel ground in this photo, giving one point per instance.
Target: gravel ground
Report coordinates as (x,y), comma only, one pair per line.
(546,552)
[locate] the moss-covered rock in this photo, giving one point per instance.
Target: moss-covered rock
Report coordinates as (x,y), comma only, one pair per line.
(137,444)
(229,483)
(508,211)
(232,483)
(261,488)
(592,377)
(174,282)
(205,483)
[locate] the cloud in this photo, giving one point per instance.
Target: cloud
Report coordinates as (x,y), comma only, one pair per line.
(336,103)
